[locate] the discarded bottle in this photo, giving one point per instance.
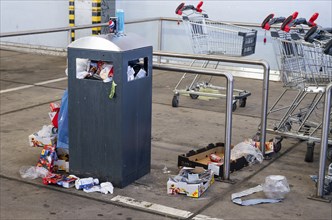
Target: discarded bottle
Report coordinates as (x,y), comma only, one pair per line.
(86,183)
(120,24)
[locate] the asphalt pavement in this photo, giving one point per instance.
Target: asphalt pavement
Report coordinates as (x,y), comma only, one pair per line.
(30,82)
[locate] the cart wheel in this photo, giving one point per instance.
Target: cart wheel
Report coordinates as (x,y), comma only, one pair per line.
(309,156)
(329,152)
(288,126)
(242,102)
(193,96)
(175,101)
(277,146)
(234,107)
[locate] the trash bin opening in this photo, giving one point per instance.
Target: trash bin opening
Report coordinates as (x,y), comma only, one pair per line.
(94,69)
(137,69)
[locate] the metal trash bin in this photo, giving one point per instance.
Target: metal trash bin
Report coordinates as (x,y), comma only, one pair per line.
(110,139)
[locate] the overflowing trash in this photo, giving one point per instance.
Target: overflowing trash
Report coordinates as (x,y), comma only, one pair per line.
(46,136)
(47,157)
(105,188)
(192,182)
(53,162)
(275,189)
(102,70)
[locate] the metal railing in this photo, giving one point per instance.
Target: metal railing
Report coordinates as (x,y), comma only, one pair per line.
(80,27)
(229,92)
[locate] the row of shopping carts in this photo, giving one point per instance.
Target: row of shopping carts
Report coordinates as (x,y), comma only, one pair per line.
(304,54)
(211,37)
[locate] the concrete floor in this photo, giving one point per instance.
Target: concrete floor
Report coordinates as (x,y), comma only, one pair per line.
(175,131)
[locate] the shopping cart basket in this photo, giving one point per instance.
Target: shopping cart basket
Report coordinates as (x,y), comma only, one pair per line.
(305,68)
(212,38)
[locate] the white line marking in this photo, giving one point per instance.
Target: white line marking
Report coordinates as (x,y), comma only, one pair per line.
(161,209)
(35,84)
(204,217)
(153,207)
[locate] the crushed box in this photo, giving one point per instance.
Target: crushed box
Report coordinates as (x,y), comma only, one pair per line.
(61,165)
(194,190)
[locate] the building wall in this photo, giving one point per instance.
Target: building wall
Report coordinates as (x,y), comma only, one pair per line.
(25,15)
(243,11)
(22,15)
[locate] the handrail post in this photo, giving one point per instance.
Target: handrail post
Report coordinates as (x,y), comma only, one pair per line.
(228,125)
(229,95)
(160,30)
(265,95)
(324,140)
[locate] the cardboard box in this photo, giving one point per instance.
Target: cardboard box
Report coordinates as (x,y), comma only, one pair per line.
(194,190)
(37,141)
(61,165)
(200,158)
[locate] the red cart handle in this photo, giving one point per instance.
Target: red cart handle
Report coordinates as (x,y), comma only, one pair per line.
(198,7)
(286,24)
(312,20)
(178,10)
(182,7)
(295,14)
(265,24)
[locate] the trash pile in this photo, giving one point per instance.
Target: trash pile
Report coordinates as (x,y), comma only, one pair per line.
(53,163)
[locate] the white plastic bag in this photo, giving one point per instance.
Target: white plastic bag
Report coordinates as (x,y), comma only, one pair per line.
(276,187)
(33,172)
(130,73)
(141,73)
(247,150)
(46,131)
(82,68)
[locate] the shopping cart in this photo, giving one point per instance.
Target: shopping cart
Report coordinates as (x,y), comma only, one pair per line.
(305,67)
(212,38)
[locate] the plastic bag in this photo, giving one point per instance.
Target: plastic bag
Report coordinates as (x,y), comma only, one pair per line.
(32,172)
(276,187)
(247,150)
(46,131)
(81,68)
(63,137)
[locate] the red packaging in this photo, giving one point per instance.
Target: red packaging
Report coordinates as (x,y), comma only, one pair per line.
(215,158)
(54,114)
